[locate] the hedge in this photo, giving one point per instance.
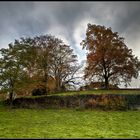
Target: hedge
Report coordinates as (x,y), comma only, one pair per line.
(103,101)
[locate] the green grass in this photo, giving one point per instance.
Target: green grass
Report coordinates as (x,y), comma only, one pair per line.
(98,92)
(27,123)
(68,123)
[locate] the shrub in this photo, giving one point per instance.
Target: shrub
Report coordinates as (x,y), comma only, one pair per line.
(113,102)
(39,91)
(103,102)
(91,103)
(133,101)
(107,102)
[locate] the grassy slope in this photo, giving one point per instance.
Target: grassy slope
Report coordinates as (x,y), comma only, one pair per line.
(99,92)
(26,123)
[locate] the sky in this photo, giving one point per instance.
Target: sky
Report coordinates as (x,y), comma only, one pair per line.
(68,21)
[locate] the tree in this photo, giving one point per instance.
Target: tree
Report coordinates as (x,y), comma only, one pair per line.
(34,63)
(28,57)
(12,73)
(57,60)
(109,60)
(63,64)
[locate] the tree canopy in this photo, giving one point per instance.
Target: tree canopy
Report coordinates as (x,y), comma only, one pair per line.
(109,60)
(33,62)
(45,63)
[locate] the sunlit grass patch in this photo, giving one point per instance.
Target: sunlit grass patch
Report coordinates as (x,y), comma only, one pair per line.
(98,92)
(68,123)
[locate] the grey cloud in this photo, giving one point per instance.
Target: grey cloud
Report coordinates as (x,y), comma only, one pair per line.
(18,19)
(32,18)
(21,14)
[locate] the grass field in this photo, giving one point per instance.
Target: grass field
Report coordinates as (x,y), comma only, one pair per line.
(70,123)
(27,123)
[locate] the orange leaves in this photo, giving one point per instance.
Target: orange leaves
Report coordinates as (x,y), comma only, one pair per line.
(108,55)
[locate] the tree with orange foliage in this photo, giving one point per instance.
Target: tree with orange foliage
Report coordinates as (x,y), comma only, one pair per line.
(109,59)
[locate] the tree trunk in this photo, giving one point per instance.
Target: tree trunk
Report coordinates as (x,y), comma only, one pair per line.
(58,84)
(11,98)
(105,74)
(106,83)
(11,92)
(45,80)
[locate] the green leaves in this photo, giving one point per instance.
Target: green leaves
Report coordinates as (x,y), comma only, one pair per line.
(12,67)
(29,63)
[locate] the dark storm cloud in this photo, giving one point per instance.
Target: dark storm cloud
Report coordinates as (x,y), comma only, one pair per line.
(17,15)
(128,16)
(29,18)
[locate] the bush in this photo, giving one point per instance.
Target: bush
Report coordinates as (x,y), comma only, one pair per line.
(107,102)
(91,103)
(114,103)
(39,91)
(133,101)
(103,102)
